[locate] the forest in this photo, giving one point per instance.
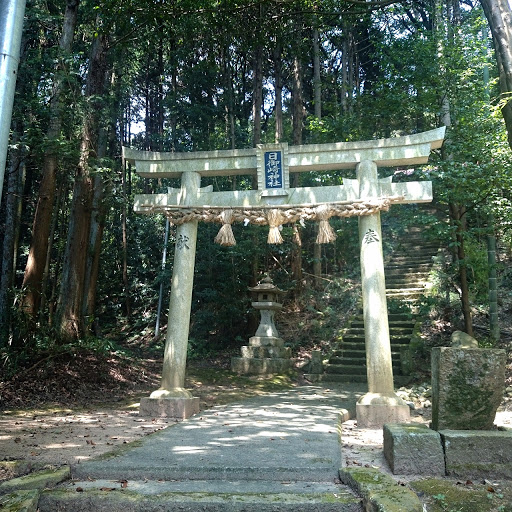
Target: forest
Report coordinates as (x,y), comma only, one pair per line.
(80,271)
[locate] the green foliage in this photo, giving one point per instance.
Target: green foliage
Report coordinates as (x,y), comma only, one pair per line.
(183,73)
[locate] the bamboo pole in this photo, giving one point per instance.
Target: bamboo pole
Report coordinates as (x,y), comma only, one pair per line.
(11,25)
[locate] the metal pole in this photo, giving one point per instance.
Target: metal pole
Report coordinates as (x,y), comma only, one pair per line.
(161,294)
(164,259)
(11,25)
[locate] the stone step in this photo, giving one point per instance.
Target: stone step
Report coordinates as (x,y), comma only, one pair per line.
(410,288)
(357,359)
(349,341)
(392,289)
(407,274)
(360,353)
(405,293)
(356,354)
(335,377)
(398,260)
(246,456)
(406,279)
(345,369)
(399,317)
(359,369)
(394,330)
(196,495)
(407,267)
(405,323)
(410,275)
(415,246)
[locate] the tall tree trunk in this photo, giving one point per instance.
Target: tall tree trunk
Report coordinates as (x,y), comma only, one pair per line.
(34,270)
(160,95)
(46,274)
(98,217)
(257,99)
(124,216)
(345,69)
(278,79)
(13,195)
(298,102)
(298,117)
(229,103)
(70,320)
(494,324)
(499,16)
(458,214)
(317,83)
(317,248)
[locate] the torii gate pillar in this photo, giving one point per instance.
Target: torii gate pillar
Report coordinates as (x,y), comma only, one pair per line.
(380,405)
(172,399)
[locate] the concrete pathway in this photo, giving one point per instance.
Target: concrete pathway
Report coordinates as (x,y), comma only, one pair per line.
(280,451)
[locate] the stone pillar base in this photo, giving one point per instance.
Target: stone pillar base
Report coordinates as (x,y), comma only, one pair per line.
(176,408)
(373,410)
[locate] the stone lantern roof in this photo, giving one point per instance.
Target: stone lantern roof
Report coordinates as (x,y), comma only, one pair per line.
(266,290)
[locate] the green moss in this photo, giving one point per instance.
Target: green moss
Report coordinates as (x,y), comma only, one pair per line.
(448,496)
(466,395)
(20,501)
(37,480)
(381,490)
(481,468)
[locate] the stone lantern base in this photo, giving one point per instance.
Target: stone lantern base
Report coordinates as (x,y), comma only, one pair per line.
(263,355)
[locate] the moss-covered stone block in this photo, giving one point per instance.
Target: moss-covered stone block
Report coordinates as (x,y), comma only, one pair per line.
(467,387)
(413,449)
(441,495)
(38,480)
(478,454)
(20,501)
(380,492)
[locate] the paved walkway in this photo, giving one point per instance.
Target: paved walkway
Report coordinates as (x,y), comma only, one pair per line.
(283,443)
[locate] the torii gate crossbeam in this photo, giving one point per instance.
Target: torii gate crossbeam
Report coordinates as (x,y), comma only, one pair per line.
(272,164)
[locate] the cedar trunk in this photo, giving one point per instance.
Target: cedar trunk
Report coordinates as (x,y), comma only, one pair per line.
(499,16)
(71,323)
(278,78)
(458,215)
(8,252)
(257,99)
(34,270)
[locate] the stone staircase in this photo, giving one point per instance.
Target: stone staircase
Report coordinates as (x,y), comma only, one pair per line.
(407,277)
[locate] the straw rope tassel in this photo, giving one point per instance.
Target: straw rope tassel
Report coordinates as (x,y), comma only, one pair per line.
(275,219)
(325,232)
(225,235)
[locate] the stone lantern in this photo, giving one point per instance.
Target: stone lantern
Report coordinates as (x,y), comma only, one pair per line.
(267,302)
(266,352)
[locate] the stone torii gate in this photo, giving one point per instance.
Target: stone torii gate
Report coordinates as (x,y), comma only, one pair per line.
(275,203)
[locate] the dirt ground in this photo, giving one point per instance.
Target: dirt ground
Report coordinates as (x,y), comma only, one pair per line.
(72,410)
(57,435)
(80,408)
